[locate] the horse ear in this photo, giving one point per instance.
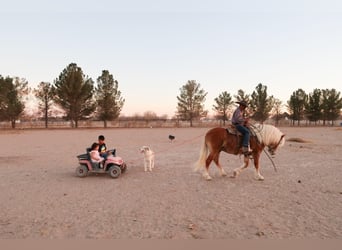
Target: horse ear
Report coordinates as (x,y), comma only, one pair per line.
(282,137)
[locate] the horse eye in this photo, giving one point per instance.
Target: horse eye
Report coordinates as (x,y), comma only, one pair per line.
(271,150)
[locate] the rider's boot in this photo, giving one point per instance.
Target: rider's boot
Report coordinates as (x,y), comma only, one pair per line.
(246,151)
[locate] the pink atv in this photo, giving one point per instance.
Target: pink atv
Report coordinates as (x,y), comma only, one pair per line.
(114,165)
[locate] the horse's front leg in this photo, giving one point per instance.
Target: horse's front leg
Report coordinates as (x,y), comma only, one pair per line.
(245,164)
(223,173)
(258,176)
(152,163)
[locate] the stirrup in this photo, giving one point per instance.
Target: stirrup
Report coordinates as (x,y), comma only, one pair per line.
(248,155)
(247,152)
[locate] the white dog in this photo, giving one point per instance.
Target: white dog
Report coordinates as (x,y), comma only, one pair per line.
(148,157)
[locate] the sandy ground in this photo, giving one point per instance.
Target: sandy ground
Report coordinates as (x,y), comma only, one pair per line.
(42,198)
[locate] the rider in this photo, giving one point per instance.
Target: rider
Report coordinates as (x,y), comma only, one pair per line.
(102,147)
(95,155)
(240,122)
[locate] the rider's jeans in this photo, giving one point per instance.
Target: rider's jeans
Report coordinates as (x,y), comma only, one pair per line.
(245,132)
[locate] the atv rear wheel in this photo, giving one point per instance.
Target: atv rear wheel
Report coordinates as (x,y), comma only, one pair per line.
(81,171)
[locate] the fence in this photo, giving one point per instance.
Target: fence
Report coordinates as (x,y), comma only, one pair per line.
(158,123)
(110,124)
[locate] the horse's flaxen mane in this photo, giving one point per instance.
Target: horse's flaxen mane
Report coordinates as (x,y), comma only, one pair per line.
(268,134)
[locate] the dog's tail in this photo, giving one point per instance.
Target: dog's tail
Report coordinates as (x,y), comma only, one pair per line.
(202,157)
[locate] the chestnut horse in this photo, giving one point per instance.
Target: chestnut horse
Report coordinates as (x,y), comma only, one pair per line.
(220,139)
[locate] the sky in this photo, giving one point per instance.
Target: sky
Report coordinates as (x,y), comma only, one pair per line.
(152,48)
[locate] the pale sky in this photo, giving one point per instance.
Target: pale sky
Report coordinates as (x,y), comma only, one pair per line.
(154,47)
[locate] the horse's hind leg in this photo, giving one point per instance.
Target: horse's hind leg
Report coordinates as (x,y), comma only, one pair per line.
(207,164)
(216,160)
(237,171)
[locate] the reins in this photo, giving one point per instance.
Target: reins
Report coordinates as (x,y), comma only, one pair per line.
(168,149)
(269,157)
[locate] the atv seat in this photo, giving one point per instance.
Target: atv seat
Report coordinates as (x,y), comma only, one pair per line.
(88,153)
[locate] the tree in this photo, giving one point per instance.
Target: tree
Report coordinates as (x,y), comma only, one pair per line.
(242,96)
(190,102)
(11,105)
(313,107)
(296,105)
(261,103)
(45,95)
(331,105)
(276,110)
(74,93)
(223,103)
(150,115)
(108,98)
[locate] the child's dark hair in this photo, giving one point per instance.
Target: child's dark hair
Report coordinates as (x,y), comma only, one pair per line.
(94,145)
(101,137)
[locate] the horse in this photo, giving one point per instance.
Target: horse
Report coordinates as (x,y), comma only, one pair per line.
(222,139)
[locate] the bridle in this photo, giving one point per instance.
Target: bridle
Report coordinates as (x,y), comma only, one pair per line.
(273,149)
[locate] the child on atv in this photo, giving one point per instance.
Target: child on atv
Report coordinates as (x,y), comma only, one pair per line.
(103,148)
(95,155)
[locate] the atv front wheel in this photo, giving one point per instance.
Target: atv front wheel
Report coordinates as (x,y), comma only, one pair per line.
(114,171)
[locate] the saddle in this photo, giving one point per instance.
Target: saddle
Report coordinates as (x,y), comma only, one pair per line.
(231,129)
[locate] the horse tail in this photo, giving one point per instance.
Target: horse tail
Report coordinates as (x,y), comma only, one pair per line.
(202,157)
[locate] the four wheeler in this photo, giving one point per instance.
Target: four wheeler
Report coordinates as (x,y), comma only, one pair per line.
(114,165)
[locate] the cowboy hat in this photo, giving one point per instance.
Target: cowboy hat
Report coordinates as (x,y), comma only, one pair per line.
(242,103)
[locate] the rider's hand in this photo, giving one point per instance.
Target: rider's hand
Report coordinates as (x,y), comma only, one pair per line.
(246,121)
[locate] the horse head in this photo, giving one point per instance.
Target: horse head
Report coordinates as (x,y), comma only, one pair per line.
(270,136)
(273,147)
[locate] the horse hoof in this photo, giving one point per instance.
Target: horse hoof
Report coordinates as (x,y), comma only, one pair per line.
(259,178)
(208,178)
(235,174)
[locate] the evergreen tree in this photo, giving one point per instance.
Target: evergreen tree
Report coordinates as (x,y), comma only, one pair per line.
(313,107)
(242,96)
(277,106)
(261,103)
(74,93)
(222,107)
(296,105)
(191,101)
(108,97)
(11,105)
(45,95)
(331,105)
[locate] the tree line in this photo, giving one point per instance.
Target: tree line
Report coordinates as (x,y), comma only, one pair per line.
(325,104)
(80,98)
(73,91)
